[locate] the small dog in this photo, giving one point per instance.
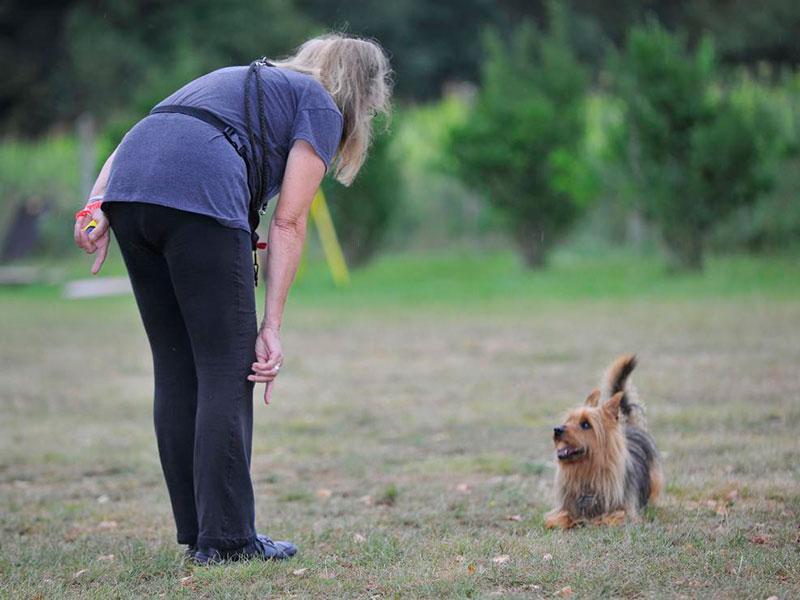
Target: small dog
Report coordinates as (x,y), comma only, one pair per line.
(608,466)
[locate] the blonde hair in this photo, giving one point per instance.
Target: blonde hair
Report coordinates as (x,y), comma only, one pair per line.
(357,73)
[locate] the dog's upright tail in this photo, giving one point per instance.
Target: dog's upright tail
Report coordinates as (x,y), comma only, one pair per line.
(616,380)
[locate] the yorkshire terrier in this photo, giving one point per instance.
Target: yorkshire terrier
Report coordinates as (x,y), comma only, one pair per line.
(608,466)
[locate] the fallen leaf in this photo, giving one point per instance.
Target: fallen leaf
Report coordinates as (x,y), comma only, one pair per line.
(324,493)
(79,573)
(106,557)
(502,559)
(564,592)
(547,557)
(107,525)
(514,518)
(471,568)
(358,538)
(300,572)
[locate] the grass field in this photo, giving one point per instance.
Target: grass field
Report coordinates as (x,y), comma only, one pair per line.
(407,448)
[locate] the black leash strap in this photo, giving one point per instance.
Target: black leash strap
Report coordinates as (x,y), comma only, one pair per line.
(260,174)
(254,84)
(257,170)
(208,117)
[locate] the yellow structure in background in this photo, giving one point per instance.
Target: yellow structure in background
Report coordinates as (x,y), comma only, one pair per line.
(321,217)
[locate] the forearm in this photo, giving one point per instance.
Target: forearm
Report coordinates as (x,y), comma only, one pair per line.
(287,231)
(285,250)
(99,187)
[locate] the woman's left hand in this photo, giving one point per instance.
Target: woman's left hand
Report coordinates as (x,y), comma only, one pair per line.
(269,356)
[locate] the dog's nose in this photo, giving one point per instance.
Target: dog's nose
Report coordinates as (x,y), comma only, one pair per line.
(558,431)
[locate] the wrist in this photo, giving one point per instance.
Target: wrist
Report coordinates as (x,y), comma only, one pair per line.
(271,326)
(94,203)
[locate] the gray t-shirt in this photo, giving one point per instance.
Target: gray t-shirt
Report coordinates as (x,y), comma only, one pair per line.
(182,162)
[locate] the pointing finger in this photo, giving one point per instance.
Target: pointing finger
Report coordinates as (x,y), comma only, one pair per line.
(268,392)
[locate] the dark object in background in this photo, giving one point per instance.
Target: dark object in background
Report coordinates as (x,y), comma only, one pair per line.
(22,236)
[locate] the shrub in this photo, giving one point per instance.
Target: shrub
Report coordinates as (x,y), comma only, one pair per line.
(522,145)
(696,153)
(773,222)
(362,212)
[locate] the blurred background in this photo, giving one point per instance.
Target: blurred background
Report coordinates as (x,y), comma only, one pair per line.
(664,131)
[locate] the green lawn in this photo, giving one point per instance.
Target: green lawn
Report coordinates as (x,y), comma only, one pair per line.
(407,448)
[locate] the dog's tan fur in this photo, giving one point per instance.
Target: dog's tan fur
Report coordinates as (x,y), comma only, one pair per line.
(591,480)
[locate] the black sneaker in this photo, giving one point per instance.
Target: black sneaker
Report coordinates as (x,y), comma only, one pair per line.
(261,548)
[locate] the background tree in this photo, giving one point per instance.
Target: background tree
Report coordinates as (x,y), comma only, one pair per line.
(65,58)
(522,143)
(430,43)
(696,154)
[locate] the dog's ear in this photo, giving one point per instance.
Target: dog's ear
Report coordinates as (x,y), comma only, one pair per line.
(593,398)
(611,406)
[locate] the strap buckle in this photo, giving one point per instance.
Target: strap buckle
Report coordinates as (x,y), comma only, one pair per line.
(255,268)
(230,135)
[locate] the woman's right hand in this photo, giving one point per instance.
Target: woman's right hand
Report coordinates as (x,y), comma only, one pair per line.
(269,357)
(95,242)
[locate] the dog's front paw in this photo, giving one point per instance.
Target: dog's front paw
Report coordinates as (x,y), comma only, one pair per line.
(558,519)
(613,519)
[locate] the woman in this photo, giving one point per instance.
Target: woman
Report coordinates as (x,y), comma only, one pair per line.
(177,195)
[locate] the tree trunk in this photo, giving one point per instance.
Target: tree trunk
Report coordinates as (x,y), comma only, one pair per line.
(635,228)
(531,243)
(86,129)
(686,250)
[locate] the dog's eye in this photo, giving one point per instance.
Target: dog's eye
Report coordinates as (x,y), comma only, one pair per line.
(585,425)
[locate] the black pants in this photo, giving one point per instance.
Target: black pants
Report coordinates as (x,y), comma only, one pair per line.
(193,282)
